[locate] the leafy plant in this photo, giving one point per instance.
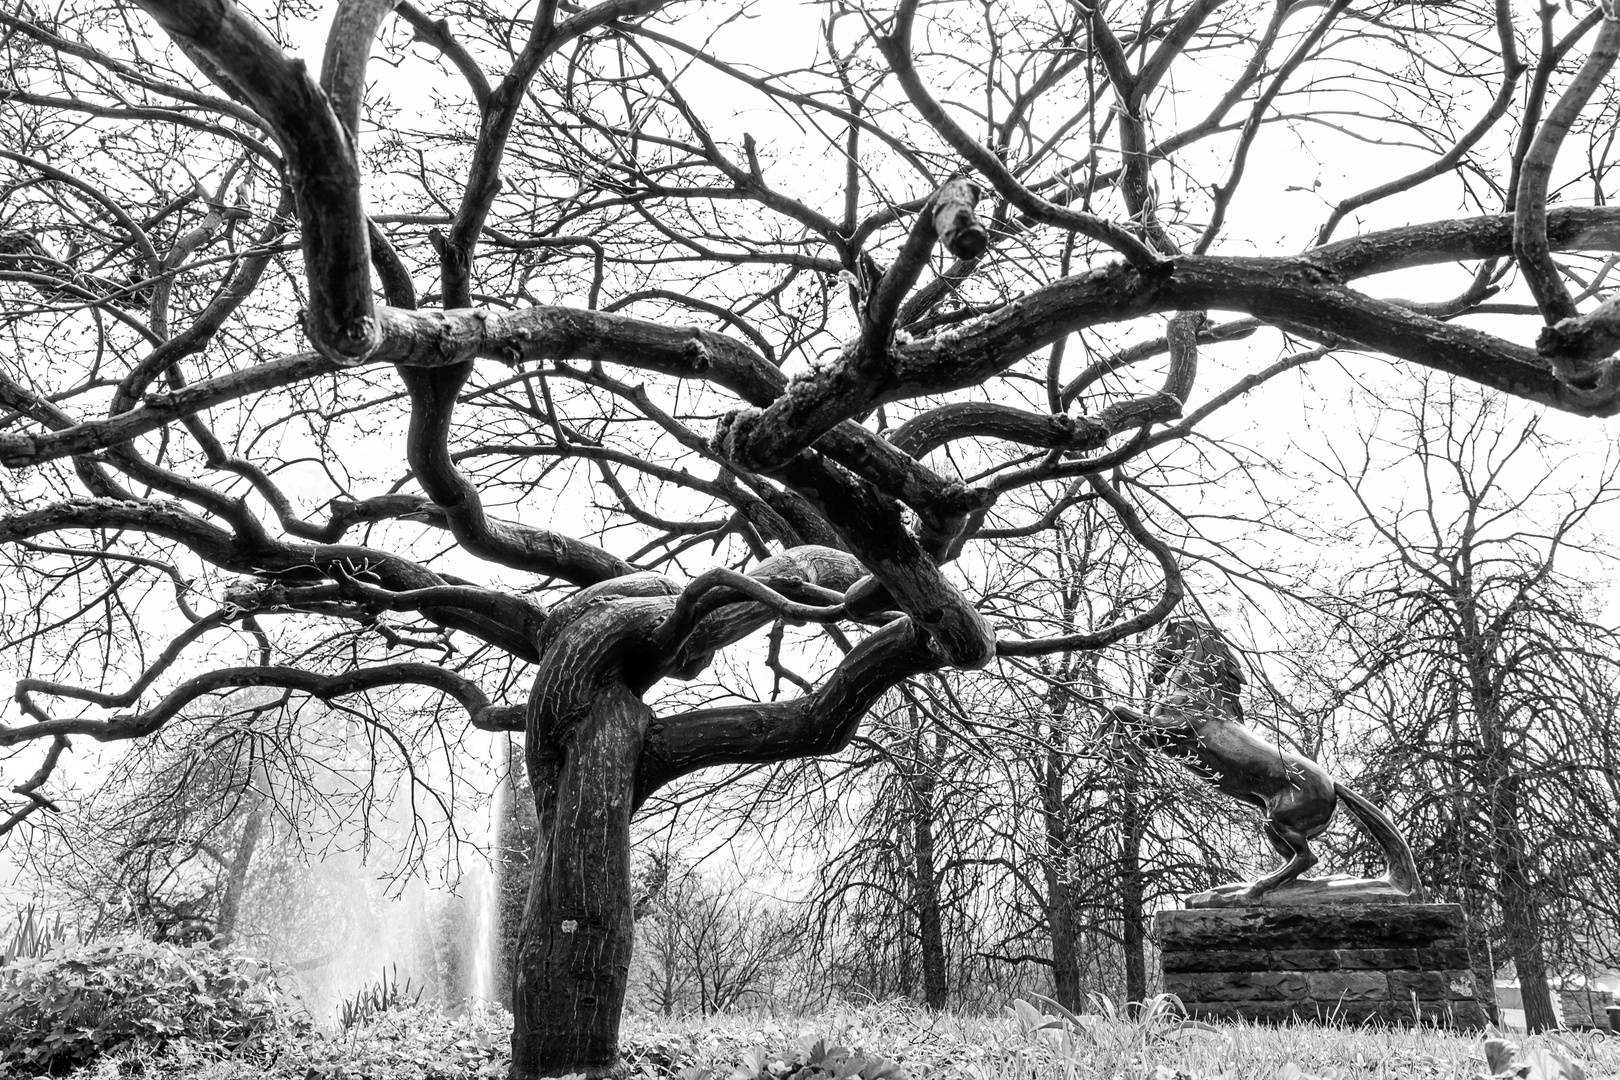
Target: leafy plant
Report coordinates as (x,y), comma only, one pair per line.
(817,1059)
(32,936)
(1507,1060)
(381,996)
(812,1060)
(1074,1039)
(79,1002)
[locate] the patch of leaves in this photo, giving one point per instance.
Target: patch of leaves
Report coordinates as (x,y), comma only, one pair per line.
(381,996)
(72,1005)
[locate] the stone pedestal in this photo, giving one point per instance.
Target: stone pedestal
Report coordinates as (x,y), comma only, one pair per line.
(1348,964)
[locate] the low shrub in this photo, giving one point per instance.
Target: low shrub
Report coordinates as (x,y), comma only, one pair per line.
(370,1002)
(72,1005)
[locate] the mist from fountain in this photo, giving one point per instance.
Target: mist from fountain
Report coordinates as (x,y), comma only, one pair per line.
(484,944)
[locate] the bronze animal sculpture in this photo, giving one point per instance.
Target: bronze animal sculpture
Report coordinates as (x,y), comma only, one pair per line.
(1198,718)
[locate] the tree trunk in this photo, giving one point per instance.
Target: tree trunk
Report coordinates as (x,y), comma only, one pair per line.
(1521,912)
(1520,903)
(1536,992)
(923,780)
(230,904)
(929,922)
(517,840)
(1130,888)
(573,957)
(1521,918)
(1060,919)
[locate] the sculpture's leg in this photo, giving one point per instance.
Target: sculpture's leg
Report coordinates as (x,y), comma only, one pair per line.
(1150,732)
(1268,829)
(1294,846)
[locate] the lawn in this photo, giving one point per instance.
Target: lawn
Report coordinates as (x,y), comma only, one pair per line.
(894,1040)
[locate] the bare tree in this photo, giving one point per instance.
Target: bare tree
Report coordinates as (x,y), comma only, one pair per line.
(1488,678)
(599,381)
(706,946)
(895,897)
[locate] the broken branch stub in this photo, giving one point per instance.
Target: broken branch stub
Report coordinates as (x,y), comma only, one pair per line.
(959,228)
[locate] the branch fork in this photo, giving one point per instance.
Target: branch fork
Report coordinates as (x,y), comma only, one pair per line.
(762,440)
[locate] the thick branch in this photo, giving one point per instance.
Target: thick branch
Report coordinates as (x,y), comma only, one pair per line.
(262,559)
(811,407)
(948,218)
(1530,241)
(872,527)
(958,356)
(1293,293)
(348,47)
(806,582)
(1584,338)
(1432,243)
(928,431)
(136,725)
(322,165)
(436,32)
(822,722)
(433,401)
(1174,590)
(520,615)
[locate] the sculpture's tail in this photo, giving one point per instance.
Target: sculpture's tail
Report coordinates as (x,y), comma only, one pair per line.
(1397,853)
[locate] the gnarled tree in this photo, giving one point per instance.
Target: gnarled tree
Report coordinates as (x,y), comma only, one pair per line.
(443,372)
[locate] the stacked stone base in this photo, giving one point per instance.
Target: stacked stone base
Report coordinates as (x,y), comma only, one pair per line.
(1345,964)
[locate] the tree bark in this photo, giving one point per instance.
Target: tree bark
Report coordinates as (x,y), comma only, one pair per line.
(1521,914)
(929,920)
(925,882)
(1518,899)
(230,904)
(594,750)
(517,840)
(1131,887)
(1060,919)
(573,957)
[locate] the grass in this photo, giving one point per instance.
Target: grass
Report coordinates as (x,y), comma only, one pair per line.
(1022,1044)
(950,1046)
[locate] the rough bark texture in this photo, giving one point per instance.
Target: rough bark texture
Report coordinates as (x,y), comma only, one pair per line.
(573,962)
(930,932)
(1132,915)
(595,751)
(1061,921)
(925,869)
(1519,898)
(584,736)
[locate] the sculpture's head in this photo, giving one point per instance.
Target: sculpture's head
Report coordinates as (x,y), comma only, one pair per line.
(1195,653)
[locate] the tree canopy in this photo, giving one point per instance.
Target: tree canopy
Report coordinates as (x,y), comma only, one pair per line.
(530,356)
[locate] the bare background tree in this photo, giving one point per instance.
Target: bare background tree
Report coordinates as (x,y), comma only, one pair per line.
(540,361)
(1481,676)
